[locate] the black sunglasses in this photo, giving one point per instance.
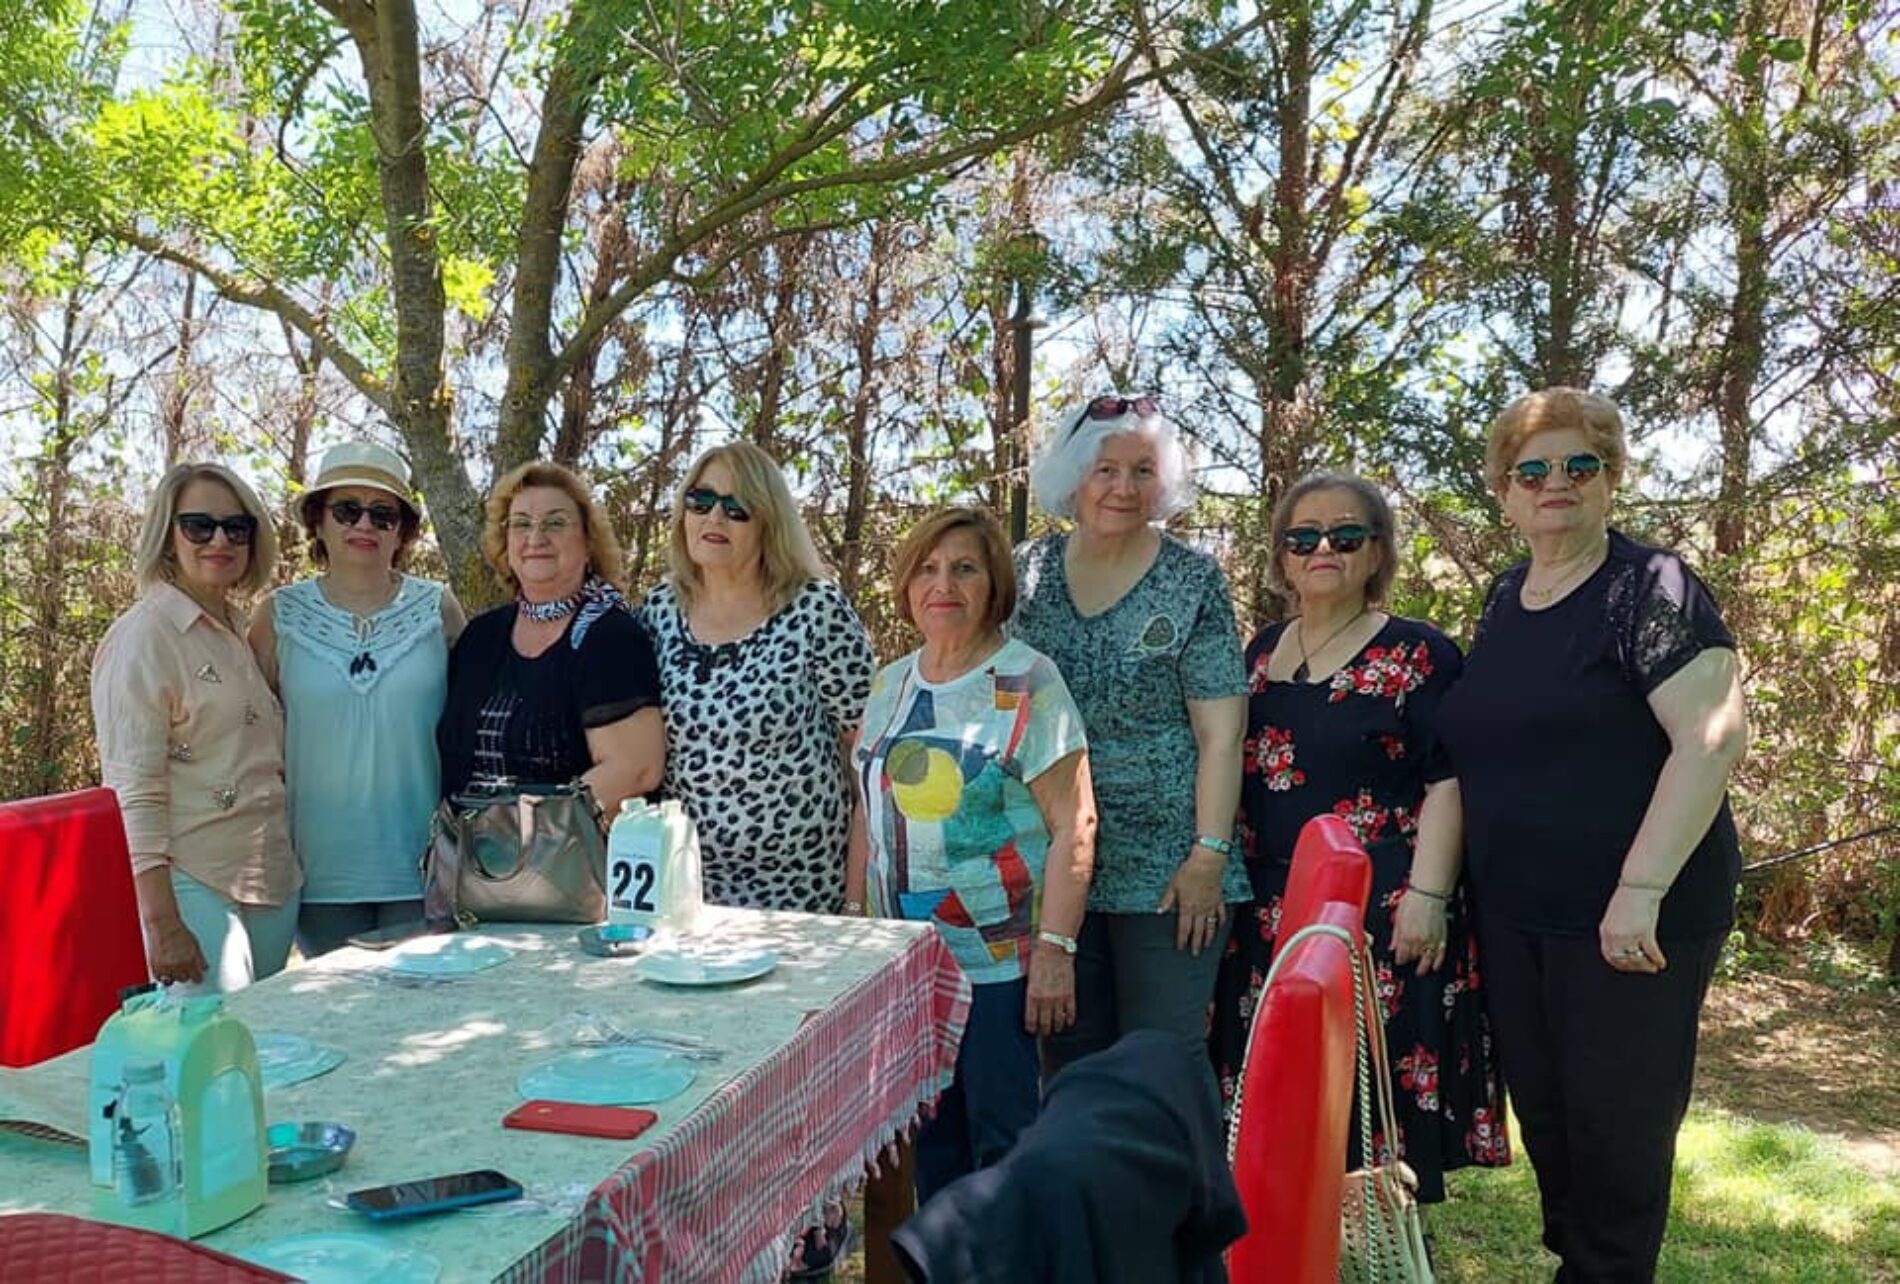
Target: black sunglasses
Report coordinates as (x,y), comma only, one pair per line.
(1347,537)
(699,500)
(1531,474)
(200,527)
(384,517)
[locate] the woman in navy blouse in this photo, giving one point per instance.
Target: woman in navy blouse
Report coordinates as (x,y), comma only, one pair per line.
(1592,735)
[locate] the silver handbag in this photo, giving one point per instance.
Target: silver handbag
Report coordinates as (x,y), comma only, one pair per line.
(508,853)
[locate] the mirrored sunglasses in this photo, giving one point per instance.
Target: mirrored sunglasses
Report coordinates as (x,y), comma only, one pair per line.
(700,500)
(1531,474)
(1347,537)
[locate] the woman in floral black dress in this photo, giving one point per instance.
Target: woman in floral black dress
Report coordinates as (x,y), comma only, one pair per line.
(1341,709)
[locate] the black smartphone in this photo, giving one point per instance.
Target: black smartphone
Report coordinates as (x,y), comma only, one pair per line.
(433,1195)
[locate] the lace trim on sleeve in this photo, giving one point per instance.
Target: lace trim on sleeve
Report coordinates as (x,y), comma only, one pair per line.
(1651,626)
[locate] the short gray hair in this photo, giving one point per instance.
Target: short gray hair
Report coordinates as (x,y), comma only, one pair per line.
(153,561)
(1378,516)
(1058,472)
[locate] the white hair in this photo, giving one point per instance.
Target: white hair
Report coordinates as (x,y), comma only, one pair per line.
(1067,457)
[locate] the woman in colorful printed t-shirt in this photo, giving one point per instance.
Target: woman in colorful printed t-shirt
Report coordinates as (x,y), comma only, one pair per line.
(980,821)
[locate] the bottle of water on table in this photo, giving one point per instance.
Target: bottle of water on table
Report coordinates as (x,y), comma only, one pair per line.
(147,1140)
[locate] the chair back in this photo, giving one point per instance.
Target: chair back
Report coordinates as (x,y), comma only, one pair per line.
(1328,865)
(69,922)
(1297,1084)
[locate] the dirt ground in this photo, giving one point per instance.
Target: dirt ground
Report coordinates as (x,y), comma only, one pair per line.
(1791,1049)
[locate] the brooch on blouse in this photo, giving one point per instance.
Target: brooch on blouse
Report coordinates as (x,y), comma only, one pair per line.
(1156,637)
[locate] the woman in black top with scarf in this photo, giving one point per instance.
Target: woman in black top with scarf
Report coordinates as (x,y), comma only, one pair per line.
(1592,736)
(560,684)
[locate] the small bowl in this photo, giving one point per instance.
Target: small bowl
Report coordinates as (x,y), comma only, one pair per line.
(614,940)
(300,1151)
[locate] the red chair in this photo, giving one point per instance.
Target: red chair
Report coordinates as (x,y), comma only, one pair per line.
(1328,865)
(1296,1091)
(69,922)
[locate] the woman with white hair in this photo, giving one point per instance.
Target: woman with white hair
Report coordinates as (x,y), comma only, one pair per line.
(1142,628)
(192,739)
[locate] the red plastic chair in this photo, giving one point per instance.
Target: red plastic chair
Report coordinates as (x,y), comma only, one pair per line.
(69,922)
(1328,865)
(1296,1092)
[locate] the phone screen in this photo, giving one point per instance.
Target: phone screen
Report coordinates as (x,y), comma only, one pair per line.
(434,1194)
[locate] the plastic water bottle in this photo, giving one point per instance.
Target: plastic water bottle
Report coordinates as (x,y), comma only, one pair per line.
(147,1138)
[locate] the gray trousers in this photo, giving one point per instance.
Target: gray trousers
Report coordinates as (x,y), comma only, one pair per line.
(1129,976)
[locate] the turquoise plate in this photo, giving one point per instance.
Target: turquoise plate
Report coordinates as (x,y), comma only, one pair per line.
(618,1076)
(346,1259)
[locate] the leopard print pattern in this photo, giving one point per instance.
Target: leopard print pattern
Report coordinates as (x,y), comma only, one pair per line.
(753,732)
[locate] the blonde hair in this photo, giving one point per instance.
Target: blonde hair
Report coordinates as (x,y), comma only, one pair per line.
(923,539)
(1554,409)
(153,559)
(603,550)
(788,560)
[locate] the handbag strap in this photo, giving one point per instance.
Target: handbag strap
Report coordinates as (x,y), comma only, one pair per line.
(1253,1030)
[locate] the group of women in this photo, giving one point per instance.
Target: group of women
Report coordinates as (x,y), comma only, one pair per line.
(1080,778)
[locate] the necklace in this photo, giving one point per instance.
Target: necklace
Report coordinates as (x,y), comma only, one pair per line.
(1306,660)
(1543,596)
(559,609)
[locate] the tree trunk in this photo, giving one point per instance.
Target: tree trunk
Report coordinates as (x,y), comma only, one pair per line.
(1745,161)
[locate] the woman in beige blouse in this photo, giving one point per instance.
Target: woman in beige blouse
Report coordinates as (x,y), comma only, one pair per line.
(192,739)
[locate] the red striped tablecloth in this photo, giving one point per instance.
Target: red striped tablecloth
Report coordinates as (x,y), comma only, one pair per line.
(718,1198)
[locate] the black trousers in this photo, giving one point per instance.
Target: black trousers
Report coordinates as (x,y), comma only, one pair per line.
(1598,1064)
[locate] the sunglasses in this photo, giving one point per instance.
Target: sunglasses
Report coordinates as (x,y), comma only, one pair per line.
(384,517)
(198,528)
(1114,406)
(553,526)
(699,501)
(1347,537)
(1531,474)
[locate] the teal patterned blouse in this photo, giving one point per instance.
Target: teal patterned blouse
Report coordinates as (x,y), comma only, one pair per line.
(1132,669)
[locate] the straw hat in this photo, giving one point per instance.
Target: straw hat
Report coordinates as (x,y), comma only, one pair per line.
(364,463)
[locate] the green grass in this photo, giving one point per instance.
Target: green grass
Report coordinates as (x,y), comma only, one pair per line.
(1753,1202)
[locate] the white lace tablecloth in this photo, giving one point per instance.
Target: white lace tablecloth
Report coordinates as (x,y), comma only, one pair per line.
(825,1060)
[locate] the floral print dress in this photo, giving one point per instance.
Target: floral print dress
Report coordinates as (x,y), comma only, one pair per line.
(1361,745)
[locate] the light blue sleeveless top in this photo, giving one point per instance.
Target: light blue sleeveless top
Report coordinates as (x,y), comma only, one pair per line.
(361,700)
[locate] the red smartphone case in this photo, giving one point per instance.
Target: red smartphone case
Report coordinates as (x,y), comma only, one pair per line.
(622,1122)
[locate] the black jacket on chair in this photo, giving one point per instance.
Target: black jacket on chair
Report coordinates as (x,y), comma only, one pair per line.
(1122,1179)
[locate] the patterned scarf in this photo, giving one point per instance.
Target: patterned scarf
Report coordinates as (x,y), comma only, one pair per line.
(596,598)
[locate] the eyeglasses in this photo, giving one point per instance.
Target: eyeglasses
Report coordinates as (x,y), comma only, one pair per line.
(1347,537)
(553,526)
(200,527)
(1531,474)
(384,517)
(699,501)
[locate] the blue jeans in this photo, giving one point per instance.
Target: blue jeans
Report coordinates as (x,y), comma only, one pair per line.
(994,1096)
(1130,976)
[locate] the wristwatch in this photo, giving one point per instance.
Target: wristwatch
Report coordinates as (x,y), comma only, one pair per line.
(1224,846)
(1064,943)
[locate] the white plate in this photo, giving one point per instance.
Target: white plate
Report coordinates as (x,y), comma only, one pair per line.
(448,955)
(284,1059)
(621,1076)
(346,1259)
(704,964)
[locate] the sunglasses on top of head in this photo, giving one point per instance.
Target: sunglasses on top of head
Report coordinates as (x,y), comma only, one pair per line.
(198,528)
(700,500)
(1113,406)
(1531,474)
(1347,537)
(348,512)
